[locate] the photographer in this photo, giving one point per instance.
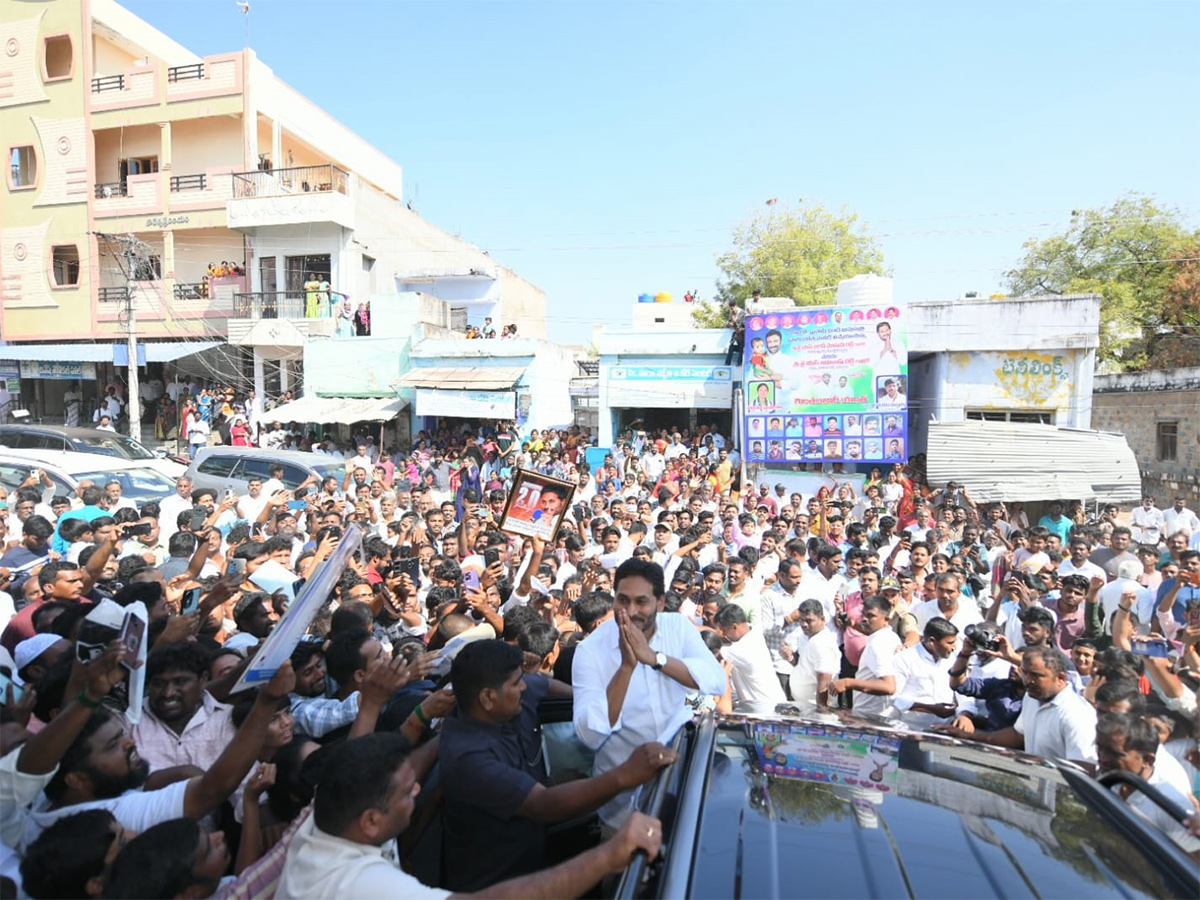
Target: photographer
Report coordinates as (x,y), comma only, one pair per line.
(1000,697)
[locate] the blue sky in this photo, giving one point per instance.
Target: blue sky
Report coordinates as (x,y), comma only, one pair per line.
(603,150)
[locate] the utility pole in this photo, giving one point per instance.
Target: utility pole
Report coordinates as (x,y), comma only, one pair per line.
(132,254)
(134,403)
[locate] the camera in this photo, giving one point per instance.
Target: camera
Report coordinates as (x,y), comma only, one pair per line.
(981,637)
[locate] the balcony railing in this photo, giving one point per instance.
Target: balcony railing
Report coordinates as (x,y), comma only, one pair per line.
(269,305)
(196,290)
(112,294)
(193,72)
(278,304)
(188,183)
(111,189)
(108,83)
(298,180)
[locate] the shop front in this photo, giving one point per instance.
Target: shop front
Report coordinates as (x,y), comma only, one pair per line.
(663,380)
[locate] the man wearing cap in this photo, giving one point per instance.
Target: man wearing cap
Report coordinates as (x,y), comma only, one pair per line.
(892,396)
(903,622)
(34,656)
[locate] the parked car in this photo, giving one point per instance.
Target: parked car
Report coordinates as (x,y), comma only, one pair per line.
(808,803)
(87,440)
(827,805)
(139,480)
(222,468)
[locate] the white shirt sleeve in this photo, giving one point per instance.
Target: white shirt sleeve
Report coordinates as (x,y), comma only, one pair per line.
(590,686)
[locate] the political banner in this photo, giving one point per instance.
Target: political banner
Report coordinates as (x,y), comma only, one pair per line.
(827,384)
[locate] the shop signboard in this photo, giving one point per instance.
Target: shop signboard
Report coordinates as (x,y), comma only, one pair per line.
(670,373)
(466,404)
(58,369)
(827,384)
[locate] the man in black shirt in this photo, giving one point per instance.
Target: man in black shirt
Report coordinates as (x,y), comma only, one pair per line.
(496,803)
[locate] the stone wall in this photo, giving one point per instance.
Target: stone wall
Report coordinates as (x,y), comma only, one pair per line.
(1134,404)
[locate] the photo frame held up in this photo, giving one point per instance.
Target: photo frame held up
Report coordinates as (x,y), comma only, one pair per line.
(536,505)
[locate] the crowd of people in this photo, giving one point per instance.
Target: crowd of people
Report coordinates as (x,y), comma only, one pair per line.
(670,588)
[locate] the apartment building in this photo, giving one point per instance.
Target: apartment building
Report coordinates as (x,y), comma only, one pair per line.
(113,129)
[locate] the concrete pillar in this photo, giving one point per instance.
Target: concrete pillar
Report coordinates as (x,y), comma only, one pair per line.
(277,145)
(284,364)
(260,381)
(164,166)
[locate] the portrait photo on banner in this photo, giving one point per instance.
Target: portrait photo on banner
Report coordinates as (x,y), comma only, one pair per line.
(536,505)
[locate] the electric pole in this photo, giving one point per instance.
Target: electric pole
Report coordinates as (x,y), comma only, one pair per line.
(132,255)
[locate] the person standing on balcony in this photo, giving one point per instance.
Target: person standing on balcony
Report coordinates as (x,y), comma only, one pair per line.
(323,299)
(312,297)
(345,319)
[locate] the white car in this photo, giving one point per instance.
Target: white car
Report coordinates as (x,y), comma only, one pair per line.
(140,480)
(56,438)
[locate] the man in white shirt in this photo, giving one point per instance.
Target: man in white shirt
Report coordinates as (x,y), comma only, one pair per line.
(1078,563)
(1147,523)
(1129,743)
(826,582)
(170,507)
(892,398)
(249,507)
(1179,518)
(115,501)
(1055,721)
(753,673)
(364,800)
(779,615)
(923,692)
(875,682)
(949,603)
(813,654)
(633,674)
(1109,596)
(742,591)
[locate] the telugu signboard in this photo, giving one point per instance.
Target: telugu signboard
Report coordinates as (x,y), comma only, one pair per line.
(827,384)
(41,368)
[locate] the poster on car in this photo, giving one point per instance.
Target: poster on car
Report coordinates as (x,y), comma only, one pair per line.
(828,754)
(827,384)
(536,505)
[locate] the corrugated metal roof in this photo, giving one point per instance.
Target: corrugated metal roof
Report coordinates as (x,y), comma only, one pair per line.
(490,378)
(1009,461)
(332,410)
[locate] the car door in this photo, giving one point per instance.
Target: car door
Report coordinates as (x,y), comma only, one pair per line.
(216,471)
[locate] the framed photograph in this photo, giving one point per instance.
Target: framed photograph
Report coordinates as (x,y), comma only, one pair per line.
(536,505)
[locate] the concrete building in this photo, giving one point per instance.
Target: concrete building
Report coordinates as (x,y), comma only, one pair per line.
(1159,413)
(663,372)
(113,128)
(1015,359)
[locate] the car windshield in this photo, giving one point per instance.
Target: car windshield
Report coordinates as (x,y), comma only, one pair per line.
(137,484)
(114,445)
(331,471)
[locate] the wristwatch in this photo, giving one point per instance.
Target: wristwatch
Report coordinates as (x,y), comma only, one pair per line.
(660,660)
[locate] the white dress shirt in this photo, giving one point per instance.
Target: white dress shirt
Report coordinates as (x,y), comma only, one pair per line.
(818,655)
(1184,520)
(921,679)
(1063,727)
(815,586)
(655,706)
(753,673)
(966,614)
(877,661)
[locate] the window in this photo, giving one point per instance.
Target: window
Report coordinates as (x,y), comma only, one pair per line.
(143,165)
(1033,417)
(66,266)
(1166,441)
(58,58)
(148,269)
(23,167)
(217,466)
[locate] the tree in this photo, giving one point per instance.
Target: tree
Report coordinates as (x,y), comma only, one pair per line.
(1131,254)
(800,252)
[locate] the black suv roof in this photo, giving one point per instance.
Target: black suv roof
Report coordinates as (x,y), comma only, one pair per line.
(828,806)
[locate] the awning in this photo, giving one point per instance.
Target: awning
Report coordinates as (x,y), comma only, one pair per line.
(463,379)
(337,410)
(58,352)
(115,352)
(1008,461)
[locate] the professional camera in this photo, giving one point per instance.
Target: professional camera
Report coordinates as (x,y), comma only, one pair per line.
(982,637)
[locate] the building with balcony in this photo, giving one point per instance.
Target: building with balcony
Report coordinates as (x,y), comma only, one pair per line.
(112,128)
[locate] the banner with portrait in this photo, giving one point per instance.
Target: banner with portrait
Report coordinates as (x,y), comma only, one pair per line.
(827,384)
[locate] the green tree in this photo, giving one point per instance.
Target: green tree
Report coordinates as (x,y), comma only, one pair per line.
(1130,253)
(799,252)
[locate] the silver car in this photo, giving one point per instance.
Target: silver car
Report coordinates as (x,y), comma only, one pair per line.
(231,468)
